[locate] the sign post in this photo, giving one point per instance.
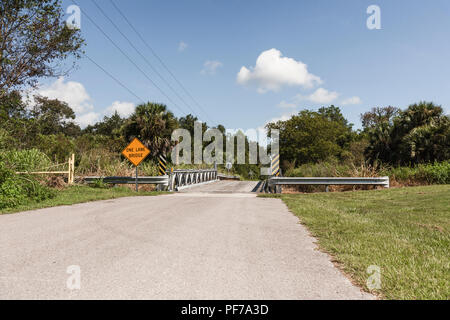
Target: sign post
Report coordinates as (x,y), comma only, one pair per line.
(137,189)
(228,165)
(136,152)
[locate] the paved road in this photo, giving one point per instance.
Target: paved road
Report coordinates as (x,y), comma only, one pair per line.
(224,186)
(191,245)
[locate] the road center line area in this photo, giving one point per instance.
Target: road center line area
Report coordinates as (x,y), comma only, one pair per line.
(201,244)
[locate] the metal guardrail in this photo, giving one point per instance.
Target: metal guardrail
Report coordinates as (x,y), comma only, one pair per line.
(328,181)
(163,180)
(172,181)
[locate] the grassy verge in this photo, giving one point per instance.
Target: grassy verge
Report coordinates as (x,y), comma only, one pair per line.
(80,194)
(406,232)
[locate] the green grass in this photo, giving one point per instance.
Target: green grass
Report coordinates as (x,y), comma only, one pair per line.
(80,194)
(406,232)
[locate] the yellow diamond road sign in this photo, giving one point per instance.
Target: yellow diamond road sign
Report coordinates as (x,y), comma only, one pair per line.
(136,152)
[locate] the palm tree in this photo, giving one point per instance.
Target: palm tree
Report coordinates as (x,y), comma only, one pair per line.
(419,134)
(153,124)
(380,143)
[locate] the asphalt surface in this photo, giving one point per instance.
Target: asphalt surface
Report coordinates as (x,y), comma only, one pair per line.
(216,241)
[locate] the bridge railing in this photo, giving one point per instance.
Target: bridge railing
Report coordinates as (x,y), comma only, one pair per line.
(180,179)
(159,180)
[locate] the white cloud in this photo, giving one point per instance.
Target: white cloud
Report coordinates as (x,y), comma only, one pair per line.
(73,93)
(351,101)
(283,117)
(272,71)
(88,118)
(287,105)
(124,109)
(262,139)
(321,95)
(210,67)
(182,46)
(76,96)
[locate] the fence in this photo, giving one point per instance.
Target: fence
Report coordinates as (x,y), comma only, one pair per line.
(70,172)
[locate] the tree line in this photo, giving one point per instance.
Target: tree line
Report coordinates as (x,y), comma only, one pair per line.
(418,134)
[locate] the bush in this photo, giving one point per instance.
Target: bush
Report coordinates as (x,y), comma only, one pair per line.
(58,147)
(6,140)
(99,184)
(437,173)
(16,190)
(432,173)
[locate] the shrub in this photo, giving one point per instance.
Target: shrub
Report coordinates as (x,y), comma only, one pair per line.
(6,140)
(99,184)
(16,190)
(432,173)
(437,173)
(58,147)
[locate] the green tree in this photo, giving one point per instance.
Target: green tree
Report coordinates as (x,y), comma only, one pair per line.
(54,117)
(312,136)
(111,129)
(34,41)
(11,106)
(110,126)
(379,115)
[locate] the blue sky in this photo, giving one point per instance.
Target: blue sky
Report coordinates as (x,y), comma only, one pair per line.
(323,53)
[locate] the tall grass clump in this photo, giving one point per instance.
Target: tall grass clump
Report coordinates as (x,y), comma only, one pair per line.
(25,160)
(431,173)
(103,163)
(333,169)
(421,174)
(17,190)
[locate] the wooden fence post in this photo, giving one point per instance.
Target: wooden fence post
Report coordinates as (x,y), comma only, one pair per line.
(71,176)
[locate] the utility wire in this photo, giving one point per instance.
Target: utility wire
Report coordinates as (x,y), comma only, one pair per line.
(114,78)
(160,60)
(129,59)
(142,56)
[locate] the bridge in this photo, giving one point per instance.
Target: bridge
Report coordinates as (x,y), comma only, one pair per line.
(183,179)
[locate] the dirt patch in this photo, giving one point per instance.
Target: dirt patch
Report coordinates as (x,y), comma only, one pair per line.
(314,189)
(56,182)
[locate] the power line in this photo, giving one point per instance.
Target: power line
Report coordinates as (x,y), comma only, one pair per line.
(129,59)
(160,60)
(142,56)
(114,78)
